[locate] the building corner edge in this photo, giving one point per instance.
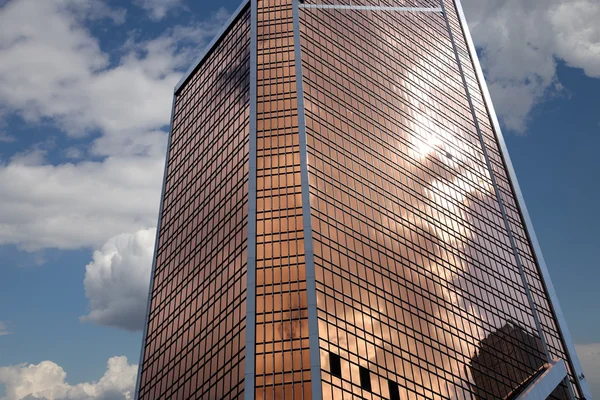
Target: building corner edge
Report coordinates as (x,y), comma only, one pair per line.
(154,254)
(250,347)
(311,289)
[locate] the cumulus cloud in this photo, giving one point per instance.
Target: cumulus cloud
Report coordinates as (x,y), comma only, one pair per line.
(158,9)
(521,42)
(46,380)
(116,281)
(54,71)
(589,356)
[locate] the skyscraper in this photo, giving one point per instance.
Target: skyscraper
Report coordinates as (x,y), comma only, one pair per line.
(340,219)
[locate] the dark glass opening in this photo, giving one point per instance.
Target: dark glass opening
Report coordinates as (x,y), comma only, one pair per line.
(365,378)
(335,365)
(394,391)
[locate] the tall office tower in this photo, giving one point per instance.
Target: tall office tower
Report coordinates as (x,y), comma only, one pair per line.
(340,219)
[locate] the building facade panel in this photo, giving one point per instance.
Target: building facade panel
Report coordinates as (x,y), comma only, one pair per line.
(194,345)
(414,265)
(282,344)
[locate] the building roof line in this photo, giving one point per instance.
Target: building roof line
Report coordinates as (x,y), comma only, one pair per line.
(370,8)
(208,49)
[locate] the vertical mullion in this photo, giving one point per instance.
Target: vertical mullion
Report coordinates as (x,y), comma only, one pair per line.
(250,366)
(311,289)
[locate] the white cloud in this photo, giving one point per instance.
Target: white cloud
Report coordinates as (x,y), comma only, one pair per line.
(92,10)
(116,281)
(73,206)
(74,153)
(46,380)
(589,357)
(158,9)
(578,34)
(54,70)
(4,329)
(522,41)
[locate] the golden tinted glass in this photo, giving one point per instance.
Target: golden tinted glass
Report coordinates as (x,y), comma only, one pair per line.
(282,350)
(196,331)
(417,282)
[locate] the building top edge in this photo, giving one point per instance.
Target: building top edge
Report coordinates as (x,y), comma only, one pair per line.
(209,48)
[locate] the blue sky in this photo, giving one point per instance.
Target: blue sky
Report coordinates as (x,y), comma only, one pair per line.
(80,168)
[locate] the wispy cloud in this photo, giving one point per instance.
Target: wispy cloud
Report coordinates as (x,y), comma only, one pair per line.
(6,138)
(4,328)
(158,9)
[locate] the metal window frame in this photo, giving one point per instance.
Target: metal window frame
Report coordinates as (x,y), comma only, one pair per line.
(537,251)
(545,384)
(311,286)
(250,356)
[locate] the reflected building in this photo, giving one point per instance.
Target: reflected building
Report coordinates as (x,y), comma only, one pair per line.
(495,359)
(340,219)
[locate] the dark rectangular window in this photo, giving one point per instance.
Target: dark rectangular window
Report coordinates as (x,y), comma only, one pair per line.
(365,378)
(335,365)
(394,391)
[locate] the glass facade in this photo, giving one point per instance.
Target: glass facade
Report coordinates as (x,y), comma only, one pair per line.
(194,345)
(360,131)
(282,349)
(413,261)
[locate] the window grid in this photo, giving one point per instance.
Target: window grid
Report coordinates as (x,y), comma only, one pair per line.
(549,326)
(426,227)
(385,3)
(282,345)
(196,328)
